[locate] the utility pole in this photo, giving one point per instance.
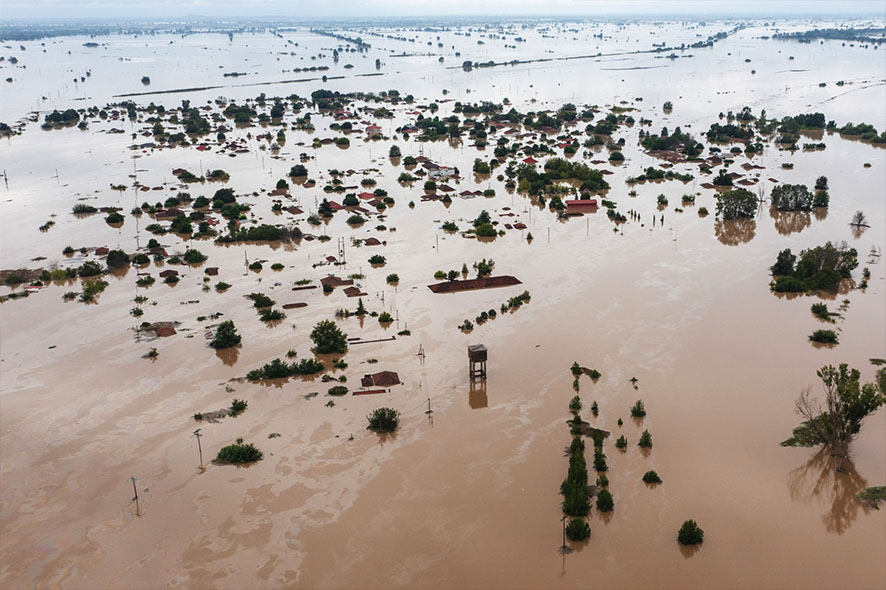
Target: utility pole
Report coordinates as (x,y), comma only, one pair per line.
(134,489)
(564,549)
(197,435)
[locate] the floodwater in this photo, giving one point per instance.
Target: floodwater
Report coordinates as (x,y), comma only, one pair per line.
(468,497)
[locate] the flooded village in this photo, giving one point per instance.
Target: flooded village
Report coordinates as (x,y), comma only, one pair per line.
(483,303)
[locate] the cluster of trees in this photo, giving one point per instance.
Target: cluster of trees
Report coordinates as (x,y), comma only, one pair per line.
(535,183)
(736,204)
(652,173)
(847,403)
(253,233)
(676,141)
(822,267)
(280,369)
(797,197)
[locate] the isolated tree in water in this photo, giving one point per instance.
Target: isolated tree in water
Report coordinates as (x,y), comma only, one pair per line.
(846,404)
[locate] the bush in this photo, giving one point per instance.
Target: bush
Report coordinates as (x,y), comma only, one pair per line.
(226,336)
(239,453)
(824,337)
(575,404)
(449,226)
(114,217)
(222,286)
(383,420)
(645,440)
(486,230)
(600,460)
(194,257)
(238,406)
(638,410)
(690,533)
(278,369)
(90,269)
(298,170)
(355,220)
(277,266)
(338,390)
(651,477)
(605,503)
(393,278)
(621,443)
(82,209)
(271,315)
(260,300)
(578,529)
(328,338)
(377,259)
(117,258)
(385,318)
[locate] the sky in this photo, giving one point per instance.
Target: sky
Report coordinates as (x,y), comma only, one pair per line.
(84,9)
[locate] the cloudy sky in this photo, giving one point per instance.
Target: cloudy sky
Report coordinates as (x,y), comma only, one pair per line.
(53,9)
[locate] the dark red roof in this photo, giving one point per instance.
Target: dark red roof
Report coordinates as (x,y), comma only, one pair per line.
(380,379)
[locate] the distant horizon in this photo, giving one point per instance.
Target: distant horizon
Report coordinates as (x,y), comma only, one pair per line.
(380,10)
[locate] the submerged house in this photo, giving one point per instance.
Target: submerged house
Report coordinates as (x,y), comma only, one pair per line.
(380,379)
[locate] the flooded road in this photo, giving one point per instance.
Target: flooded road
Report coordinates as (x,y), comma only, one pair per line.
(468,497)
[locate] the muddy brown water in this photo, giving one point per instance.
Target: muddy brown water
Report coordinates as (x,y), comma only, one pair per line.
(468,498)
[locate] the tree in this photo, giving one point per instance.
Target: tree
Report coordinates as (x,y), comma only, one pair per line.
(117,258)
(383,420)
(784,263)
(736,204)
(298,170)
(690,533)
(859,220)
(328,338)
(791,197)
(578,529)
(847,403)
(821,183)
(361,309)
(226,336)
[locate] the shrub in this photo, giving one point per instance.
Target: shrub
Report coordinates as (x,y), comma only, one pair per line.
(377,259)
(222,286)
(600,460)
(651,477)
(239,453)
(238,406)
(824,337)
(383,420)
(575,404)
(277,266)
(638,410)
(393,278)
(602,481)
(260,300)
(83,208)
(621,443)
(486,230)
(90,269)
(278,369)
(328,338)
(385,318)
(595,409)
(255,265)
(337,390)
(194,257)
(449,226)
(271,315)
(226,336)
(820,310)
(355,220)
(605,502)
(690,533)
(578,529)
(117,258)
(645,440)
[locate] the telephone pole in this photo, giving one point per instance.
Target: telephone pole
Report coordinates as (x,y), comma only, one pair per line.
(197,435)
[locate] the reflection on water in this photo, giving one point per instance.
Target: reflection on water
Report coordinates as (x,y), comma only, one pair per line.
(732,232)
(818,479)
(477,395)
(688,550)
(789,222)
(228,355)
